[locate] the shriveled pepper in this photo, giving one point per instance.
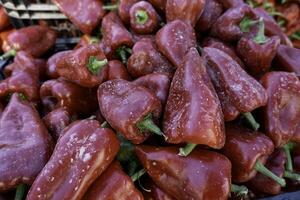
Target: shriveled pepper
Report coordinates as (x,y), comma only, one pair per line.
(34,40)
(25,144)
(185,10)
(258,52)
(4,19)
(129,109)
(192,177)
(288,58)
(116,70)
(81,155)
(116,37)
(56,121)
(146,59)
(158,83)
(244,92)
(113,184)
(87,64)
(233,23)
(174,40)
(282,112)
(61,93)
(248,152)
(193,113)
(152,191)
(85,14)
(143,18)
(52,62)
(212,11)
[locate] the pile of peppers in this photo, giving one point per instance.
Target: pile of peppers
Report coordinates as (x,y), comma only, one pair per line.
(160,99)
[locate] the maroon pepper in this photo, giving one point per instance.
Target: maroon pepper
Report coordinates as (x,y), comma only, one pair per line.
(56,121)
(116,70)
(231,3)
(193,113)
(159,4)
(259,51)
(113,184)
(245,93)
(52,62)
(282,112)
(115,37)
(296,158)
(86,40)
(85,14)
(81,155)
(130,109)
(61,93)
(124,8)
(248,152)
(212,11)
(296,136)
(146,59)
(4,19)
(25,145)
(288,58)
(185,10)
(87,64)
(175,39)
(192,177)
(152,191)
(143,18)
(34,40)
(233,23)
(158,83)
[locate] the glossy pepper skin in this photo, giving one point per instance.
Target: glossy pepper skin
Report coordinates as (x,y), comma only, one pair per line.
(282,112)
(276,164)
(227,27)
(81,155)
(154,192)
(244,92)
(143,18)
(258,57)
(244,148)
(113,184)
(56,121)
(192,177)
(34,40)
(223,46)
(174,40)
(79,63)
(116,70)
(51,69)
(159,4)
(85,14)
(288,58)
(146,59)
(115,35)
(61,93)
(193,113)
(124,8)
(188,11)
(4,20)
(25,145)
(212,11)
(124,104)
(158,83)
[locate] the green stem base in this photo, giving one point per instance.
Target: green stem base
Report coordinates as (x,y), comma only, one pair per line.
(185,151)
(291,175)
(10,53)
(20,192)
(239,190)
(251,121)
(147,124)
(138,175)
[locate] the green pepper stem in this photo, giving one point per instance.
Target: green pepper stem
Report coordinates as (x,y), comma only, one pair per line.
(10,53)
(246,23)
(251,120)
(138,175)
(95,65)
(260,38)
(110,7)
(291,175)
(94,40)
(263,170)
(105,125)
(185,151)
(147,124)
(141,17)
(239,190)
(20,192)
(287,149)
(122,52)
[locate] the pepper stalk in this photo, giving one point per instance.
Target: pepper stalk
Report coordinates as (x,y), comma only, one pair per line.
(147,124)
(185,151)
(260,38)
(141,17)
(287,149)
(138,175)
(239,190)
(10,53)
(246,24)
(251,120)
(123,52)
(95,65)
(20,192)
